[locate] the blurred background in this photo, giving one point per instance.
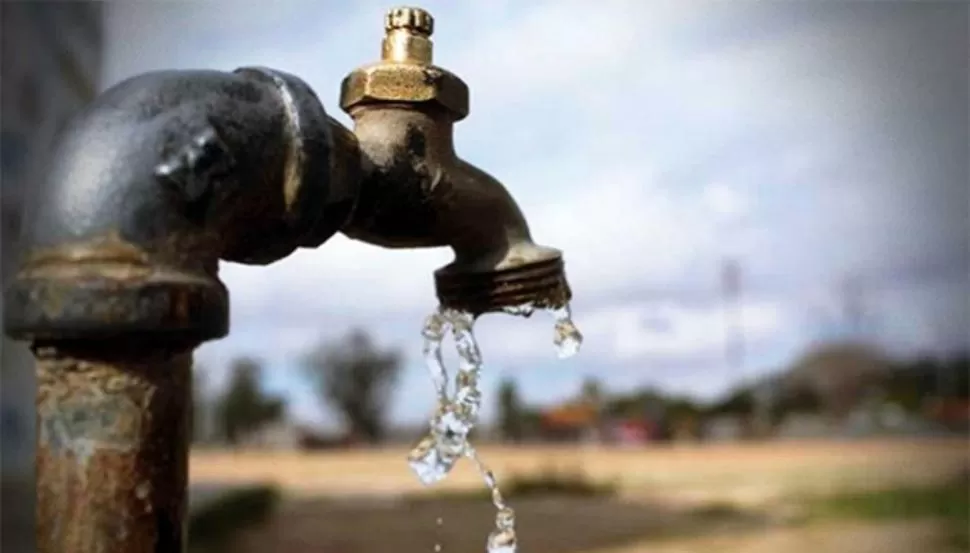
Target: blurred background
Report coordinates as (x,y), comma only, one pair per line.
(765,214)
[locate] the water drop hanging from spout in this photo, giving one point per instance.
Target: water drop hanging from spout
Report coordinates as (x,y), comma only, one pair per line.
(566,337)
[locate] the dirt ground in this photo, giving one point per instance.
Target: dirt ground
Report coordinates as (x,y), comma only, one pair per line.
(742,472)
(351,502)
(901,537)
(571,526)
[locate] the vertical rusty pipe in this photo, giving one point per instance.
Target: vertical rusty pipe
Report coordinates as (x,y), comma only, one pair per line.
(148,188)
(112,448)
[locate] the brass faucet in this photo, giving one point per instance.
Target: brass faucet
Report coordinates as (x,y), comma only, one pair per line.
(416,192)
(167,173)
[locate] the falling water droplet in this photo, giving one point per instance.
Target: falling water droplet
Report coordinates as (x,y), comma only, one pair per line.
(502,541)
(566,337)
(440,522)
(435,327)
(523,310)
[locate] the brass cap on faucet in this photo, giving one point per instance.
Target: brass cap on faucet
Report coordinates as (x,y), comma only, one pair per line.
(405,73)
(407,36)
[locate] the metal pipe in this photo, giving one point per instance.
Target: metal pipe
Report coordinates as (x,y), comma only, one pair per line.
(112,447)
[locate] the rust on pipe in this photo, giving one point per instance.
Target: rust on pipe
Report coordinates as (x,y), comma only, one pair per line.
(112,439)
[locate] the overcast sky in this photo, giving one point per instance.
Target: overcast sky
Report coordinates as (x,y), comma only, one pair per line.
(815,142)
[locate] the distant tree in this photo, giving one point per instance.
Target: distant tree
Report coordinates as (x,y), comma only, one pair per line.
(356,380)
(909,383)
(592,391)
(841,375)
(510,412)
(795,399)
(244,407)
(739,402)
(644,403)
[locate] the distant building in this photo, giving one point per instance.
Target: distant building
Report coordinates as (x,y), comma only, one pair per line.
(952,413)
(629,432)
(50,62)
(571,421)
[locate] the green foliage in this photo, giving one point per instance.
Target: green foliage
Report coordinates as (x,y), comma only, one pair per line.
(739,402)
(574,483)
(679,407)
(907,384)
(550,482)
(950,502)
(244,407)
(356,380)
(644,403)
(717,511)
(800,399)
(212,527)
(592,390)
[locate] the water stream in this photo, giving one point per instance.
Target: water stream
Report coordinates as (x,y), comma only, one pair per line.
(433,457)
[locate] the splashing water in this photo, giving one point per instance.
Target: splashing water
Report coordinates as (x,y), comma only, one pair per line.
(433,457)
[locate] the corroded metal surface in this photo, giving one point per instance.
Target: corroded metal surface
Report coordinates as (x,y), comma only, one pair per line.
(109,287)
(112,438)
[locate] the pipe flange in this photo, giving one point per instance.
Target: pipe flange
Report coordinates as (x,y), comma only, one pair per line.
(110,289)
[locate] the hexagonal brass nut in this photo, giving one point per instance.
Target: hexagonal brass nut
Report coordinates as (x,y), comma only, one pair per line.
(403,82)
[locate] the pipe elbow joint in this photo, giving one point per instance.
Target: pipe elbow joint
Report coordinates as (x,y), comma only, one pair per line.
(157,180)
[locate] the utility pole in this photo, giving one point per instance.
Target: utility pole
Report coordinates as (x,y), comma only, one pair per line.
(734,339)
(853,307)
(733,319)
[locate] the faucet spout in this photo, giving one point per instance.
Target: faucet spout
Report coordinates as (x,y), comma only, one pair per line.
(415,191)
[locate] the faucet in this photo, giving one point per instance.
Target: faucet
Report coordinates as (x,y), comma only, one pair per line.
(169,172)
(416,192)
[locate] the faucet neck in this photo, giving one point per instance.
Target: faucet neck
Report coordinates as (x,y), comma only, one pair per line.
(426,134)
